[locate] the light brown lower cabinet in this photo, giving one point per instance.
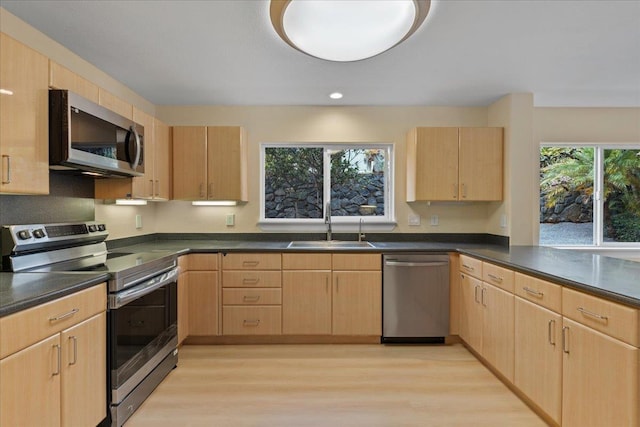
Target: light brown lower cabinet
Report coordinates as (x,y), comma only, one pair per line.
(600,385)
(59,381)
(538,356)
(471,311)
(251,320)
(306,302)
(203,302)
(357,303)
(497,328)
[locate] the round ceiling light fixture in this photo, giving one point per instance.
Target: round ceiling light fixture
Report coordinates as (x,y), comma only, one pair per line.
(335,95)
(346,30)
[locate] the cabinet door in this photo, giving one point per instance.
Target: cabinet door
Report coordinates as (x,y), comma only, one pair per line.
(84,372)
(538,356)
(497,329)
(306,302)
(63,78)
(471,311)
(162,164)
(24,119)
(599,380)
(226,163)
(432,164)
(30,385)
(357,303)
(183,307)
(115,104)
(189,162)
(203,302)
(480,164)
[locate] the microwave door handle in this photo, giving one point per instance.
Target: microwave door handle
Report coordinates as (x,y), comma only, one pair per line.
(134,165)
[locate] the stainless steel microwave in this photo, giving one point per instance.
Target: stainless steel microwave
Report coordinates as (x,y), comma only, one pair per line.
(88,138)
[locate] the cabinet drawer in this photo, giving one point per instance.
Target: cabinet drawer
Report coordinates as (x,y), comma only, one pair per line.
(271,296)
(252,262)
(613,319)
(21,329)
(251,279)
(306,261)
(344,262)
(498,276)
(546,294)
(206,262)
(255,320)
(471,266)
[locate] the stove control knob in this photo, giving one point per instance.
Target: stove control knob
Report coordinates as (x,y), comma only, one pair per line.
(24,234)
(93,228)
(38,233)
(101,227)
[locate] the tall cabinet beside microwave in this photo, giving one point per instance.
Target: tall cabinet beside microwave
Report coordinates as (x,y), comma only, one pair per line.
(209,163)
(24,128)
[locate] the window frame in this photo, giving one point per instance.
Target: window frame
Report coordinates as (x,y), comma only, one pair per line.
(598,199)
(339,223)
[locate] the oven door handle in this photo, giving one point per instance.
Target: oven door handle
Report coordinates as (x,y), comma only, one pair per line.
(125,297)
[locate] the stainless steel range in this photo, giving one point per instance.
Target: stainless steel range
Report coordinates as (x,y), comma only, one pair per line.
(142,312)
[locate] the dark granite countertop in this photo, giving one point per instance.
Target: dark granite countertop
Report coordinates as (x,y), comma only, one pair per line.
(611,278)
(19,291)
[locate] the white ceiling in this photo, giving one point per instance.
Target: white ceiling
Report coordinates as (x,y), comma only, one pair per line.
(468,53)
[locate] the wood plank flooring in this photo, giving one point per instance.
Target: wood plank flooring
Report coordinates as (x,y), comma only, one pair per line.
(331,385)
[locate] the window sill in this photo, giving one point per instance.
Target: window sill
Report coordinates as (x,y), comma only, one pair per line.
(320,227)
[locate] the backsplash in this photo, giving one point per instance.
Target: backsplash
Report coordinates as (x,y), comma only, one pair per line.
(70,199)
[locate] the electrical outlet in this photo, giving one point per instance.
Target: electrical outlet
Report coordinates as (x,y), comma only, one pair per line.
(231,220)
(138,221)
(503,220)
(414,219)
(434,220)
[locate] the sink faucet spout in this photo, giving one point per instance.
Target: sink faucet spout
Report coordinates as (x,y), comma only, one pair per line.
(327,220)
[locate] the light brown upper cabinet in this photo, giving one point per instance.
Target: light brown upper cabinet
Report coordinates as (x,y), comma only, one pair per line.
(209,163)
(24,119)
(115,104)
(464,164)
(155,184)
(63,78)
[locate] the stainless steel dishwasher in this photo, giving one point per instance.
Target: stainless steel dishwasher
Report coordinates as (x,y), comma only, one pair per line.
(415,298)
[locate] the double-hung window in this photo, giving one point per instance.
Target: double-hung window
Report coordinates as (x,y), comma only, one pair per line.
(590,195)
(303,183)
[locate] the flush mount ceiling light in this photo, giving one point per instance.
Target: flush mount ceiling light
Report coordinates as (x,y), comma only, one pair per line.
(346,30)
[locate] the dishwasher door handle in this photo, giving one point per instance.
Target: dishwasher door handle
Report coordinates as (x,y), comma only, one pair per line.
(415,264)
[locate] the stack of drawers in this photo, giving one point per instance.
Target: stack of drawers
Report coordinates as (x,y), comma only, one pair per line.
(252,294)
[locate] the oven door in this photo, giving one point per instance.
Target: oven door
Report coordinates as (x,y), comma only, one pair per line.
(142,331)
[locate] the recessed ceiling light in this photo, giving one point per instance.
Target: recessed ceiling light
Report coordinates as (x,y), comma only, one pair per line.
(335,95)
(346,30)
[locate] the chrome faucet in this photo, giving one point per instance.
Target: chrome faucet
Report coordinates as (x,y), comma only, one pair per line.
(327,220)
(361,235)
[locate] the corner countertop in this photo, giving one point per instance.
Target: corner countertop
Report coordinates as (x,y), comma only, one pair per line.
(19,291)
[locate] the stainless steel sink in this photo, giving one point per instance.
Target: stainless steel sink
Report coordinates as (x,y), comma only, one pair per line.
(329,244)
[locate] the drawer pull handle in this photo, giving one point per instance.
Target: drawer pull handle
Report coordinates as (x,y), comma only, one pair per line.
(251,298)
(565,339)
(64,316)
(468,268)
(252,281)
(592,314)
(250,263)
(552,327)
(494,277)
(255,322)
(75,350)
(59,364)
(533,292)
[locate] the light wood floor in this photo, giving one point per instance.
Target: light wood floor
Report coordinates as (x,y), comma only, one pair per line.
(331,385)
